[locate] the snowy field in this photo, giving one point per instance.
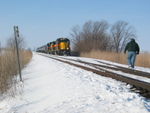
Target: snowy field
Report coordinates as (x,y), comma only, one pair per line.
(53,87)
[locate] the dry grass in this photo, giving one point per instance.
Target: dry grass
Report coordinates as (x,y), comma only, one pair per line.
(9,68)
(143,59)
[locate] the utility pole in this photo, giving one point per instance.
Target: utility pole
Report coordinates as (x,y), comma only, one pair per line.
(16,33)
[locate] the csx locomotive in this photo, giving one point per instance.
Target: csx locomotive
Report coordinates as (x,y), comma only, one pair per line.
(59,47)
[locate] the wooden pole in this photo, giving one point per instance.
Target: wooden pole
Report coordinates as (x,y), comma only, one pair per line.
(16,33)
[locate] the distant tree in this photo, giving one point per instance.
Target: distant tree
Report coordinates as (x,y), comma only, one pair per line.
(93,35)
(76,38)
(12,44)
(29,49)
(121,32)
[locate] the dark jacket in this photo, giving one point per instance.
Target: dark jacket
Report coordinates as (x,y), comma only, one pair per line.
(132,46)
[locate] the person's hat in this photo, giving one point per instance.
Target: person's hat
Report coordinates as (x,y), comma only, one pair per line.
(132,39)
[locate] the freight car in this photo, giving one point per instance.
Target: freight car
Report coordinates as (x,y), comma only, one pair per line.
(59,47)
(42,49)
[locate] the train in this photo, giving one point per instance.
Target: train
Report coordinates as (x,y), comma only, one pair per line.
(59,47)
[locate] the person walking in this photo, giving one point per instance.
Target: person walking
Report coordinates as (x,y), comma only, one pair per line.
(133,49)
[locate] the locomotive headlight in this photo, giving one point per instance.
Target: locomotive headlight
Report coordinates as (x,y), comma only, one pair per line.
(67,48)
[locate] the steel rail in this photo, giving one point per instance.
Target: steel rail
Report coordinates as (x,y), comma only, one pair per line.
(143,87)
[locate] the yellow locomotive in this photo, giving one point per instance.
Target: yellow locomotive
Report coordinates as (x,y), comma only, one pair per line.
(59,47)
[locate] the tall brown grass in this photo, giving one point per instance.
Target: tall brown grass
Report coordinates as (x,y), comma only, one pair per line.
(143,59)
(9,68)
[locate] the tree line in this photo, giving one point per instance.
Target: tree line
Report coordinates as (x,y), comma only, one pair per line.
(99,35)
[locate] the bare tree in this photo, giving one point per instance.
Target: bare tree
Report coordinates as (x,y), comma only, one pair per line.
(76,38)
(12,44)
(93,35)
(121,32)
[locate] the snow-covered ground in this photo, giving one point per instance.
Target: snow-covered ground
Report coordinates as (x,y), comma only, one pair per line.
(53,87)
(97,61)
(140,78)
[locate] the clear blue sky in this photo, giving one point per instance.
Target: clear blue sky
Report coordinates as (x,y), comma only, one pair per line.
(42,21)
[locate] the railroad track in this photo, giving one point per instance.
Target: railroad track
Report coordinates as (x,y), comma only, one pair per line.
(142,87)
(114,67)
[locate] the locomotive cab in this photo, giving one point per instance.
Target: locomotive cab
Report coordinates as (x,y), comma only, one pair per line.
(63,46)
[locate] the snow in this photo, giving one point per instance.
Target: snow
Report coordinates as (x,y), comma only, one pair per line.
(97,61)
(51,86)
(144,79)
(140,78)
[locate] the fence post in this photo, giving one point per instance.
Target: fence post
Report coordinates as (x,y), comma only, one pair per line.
(16,33)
